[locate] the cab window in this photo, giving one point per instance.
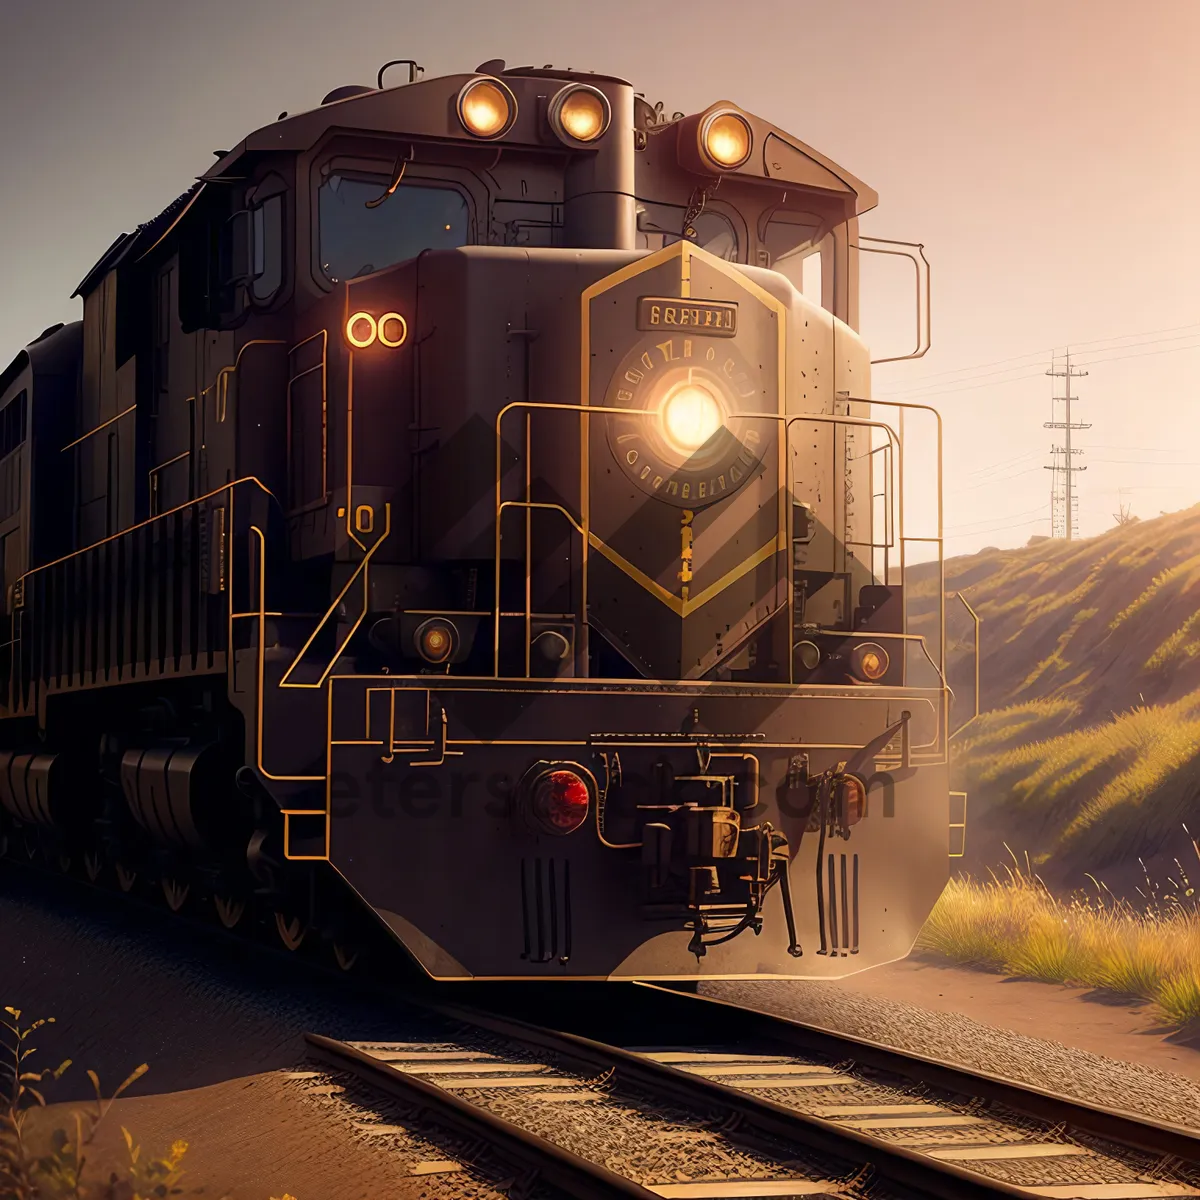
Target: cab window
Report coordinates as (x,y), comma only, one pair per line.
(266,235)
(792,245)
(661,225)
(364,227)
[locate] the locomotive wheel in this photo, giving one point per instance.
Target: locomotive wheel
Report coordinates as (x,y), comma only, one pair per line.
(345,956)
(291,930)
(125,879)
(92,866)
(176,894)
(229,912)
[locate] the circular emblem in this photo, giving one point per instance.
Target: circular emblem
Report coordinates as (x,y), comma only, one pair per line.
(686,439)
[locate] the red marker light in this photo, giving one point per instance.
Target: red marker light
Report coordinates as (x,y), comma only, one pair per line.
(560,802)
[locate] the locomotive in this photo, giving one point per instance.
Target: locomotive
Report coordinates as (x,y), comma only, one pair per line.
(462,514)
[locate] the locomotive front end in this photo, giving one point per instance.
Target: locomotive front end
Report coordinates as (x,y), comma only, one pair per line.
(618,677)
(645,725)
(521,569)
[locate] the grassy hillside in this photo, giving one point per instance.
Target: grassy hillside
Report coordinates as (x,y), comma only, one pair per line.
(1087,754)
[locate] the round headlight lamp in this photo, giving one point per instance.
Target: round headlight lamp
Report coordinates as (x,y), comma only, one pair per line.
(486,107)
(580,114)
(691,415)
(807,655)
(436,640)
(726,139)
(869,662)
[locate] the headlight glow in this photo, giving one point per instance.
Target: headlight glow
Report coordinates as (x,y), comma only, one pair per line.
(691,415)
(486,108)
(869,662)
(727,139)
(580,113)
(436,640)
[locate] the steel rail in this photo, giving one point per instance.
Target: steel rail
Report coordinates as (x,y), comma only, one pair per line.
(917,1174)
(1127,1129)
(561,1168)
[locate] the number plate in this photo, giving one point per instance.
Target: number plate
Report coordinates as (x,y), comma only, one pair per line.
(708,319)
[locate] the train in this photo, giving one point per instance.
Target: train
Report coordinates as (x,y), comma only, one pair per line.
(462,517)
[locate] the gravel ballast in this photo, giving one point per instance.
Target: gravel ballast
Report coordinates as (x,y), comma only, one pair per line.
(959,1040)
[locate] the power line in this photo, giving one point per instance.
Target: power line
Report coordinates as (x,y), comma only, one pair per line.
(989,520)
(958,537)
(1148,354)
(951,387)
(971,487)
(1143,462)
(920,381)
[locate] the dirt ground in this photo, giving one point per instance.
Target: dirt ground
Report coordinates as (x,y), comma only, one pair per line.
(1084,1019)
(221,1026)
(249,1138)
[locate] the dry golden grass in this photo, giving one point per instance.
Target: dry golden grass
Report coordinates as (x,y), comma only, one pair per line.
(1017,927)
(1186,571)
(1129,776)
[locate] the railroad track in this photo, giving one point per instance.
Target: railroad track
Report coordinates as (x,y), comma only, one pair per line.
(736,1103)
(834,1102)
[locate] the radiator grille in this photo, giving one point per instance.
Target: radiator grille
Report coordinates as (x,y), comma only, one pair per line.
(546,909)
(841,907)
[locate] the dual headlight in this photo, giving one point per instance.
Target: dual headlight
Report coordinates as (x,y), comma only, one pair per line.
(579,114)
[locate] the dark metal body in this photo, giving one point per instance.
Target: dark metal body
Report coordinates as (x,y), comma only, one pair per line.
(244,485)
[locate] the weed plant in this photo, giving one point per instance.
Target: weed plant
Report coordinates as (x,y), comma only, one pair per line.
(59,1173)
(1015,925)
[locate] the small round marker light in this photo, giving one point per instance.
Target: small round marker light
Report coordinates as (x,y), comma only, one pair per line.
(486,108)
(552,645)
(869,662)
(436,639)
(853,799)
(808,655)
(726,139)
(559,802)
(580,114)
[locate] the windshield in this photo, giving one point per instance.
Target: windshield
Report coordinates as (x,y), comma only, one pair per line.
(793,242)
(363,229)
(662,225)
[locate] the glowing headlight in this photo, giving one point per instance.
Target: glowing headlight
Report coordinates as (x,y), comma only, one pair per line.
(726,139)
(691,414)
(487,108)
(580,114)
(869,662)
(435,640)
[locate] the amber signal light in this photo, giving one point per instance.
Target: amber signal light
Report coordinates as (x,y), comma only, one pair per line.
(363,330)
(853,800)
(869,662)
(436,640)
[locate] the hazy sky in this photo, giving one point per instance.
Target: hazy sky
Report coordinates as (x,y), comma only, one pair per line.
(1045,151)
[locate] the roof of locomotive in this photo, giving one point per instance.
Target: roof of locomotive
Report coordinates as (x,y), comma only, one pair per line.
(143,238)
(425,110)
